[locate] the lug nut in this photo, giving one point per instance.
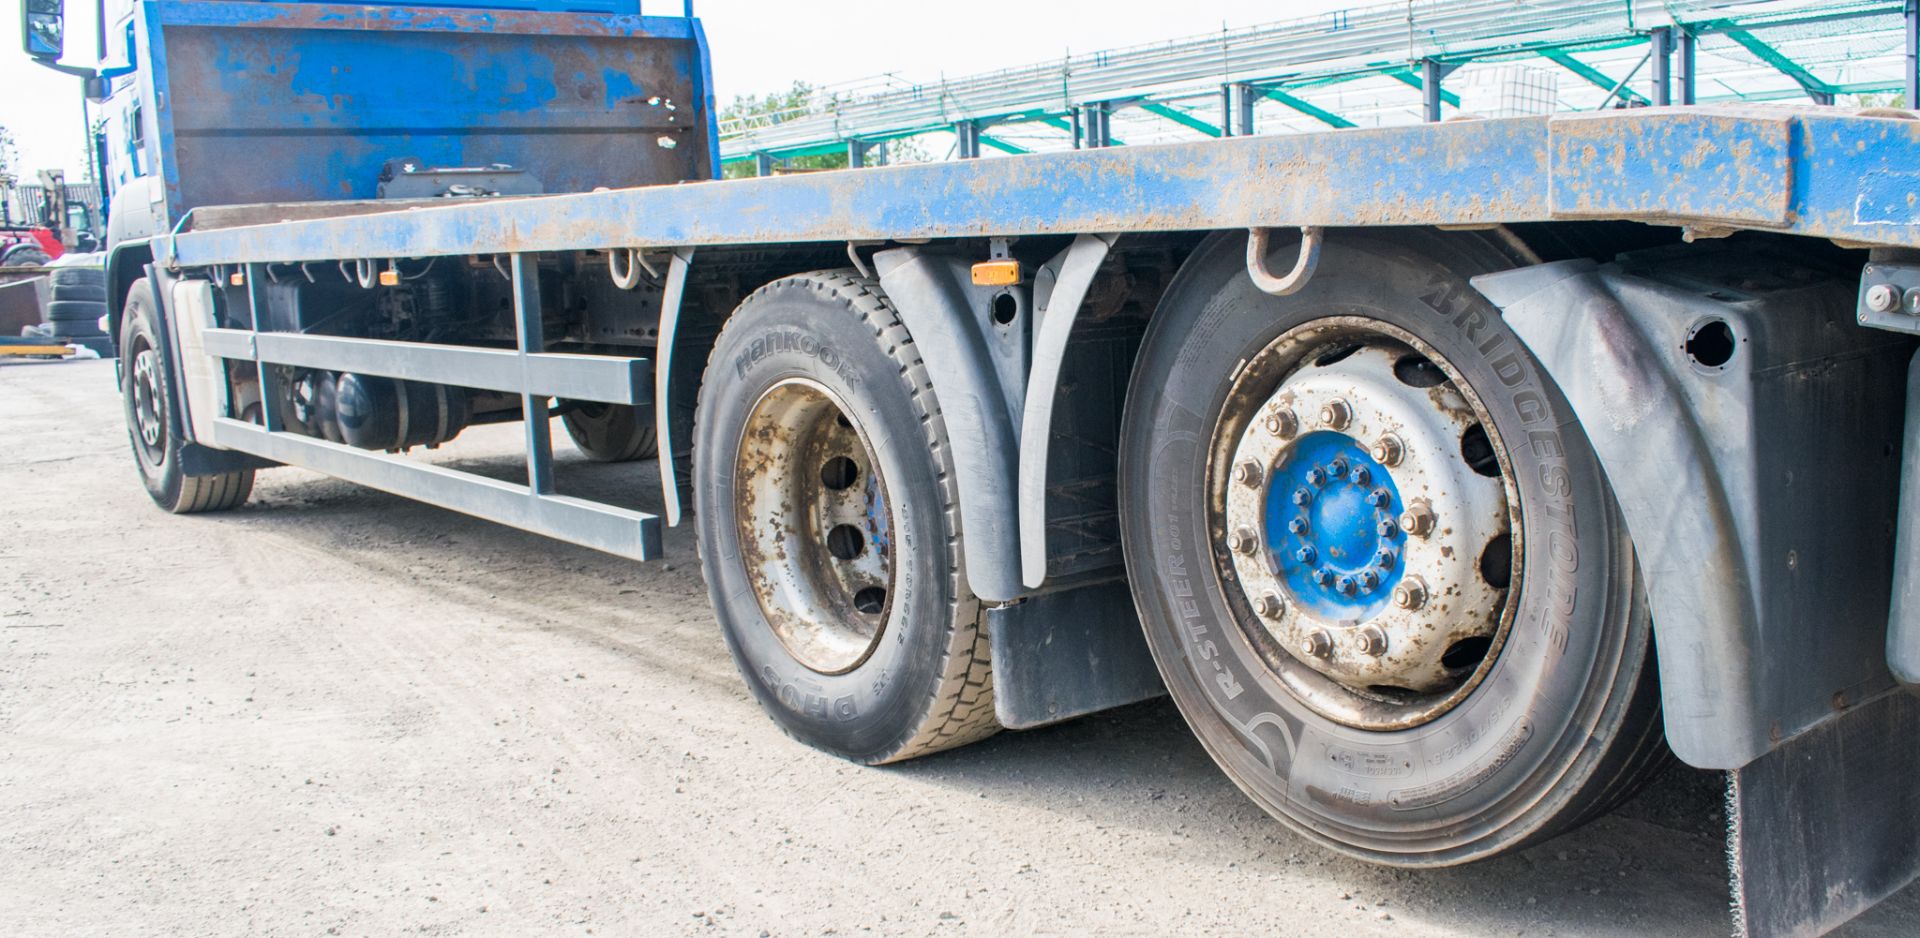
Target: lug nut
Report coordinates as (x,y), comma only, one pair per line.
(1369,581)
(1385,527)
(1360,476)
(1322,576)
(1337,468)
(1882,298)
(1307,555)
(1911,302)
(1243,541)
(1410,593)
(1343,584)
(1283,424)
(1373,641)
(1248,474)
(1269,605)
(1298,526)
(1417,521)
(1317,644)
(1383,558)
(1316,476)
(1387,451)
(1302,496)
(1335,414)
(1378,498)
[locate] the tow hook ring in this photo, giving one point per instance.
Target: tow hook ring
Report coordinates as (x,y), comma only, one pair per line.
(1303,266)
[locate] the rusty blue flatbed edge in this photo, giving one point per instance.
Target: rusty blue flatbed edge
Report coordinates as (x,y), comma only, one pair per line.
(1817,172)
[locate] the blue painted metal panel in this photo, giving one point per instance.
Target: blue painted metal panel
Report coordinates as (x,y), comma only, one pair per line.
(1811,172)
(1485,171)
(1736,167)
(295,101)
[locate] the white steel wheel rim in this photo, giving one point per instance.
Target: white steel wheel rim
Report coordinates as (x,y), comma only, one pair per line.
(1429,629)
(814,526)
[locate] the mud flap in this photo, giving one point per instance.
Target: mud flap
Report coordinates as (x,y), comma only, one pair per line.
(1827,824)
(1750,432)
(1060,655)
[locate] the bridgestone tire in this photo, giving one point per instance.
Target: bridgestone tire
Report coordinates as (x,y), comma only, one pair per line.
(927,683)
(1565,722)
(75,310)
(612,432)
(159,464)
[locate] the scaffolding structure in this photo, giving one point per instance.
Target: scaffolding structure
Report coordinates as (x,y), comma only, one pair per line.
(1372,66)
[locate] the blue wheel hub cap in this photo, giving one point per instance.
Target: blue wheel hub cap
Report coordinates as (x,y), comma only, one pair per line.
(1332,528)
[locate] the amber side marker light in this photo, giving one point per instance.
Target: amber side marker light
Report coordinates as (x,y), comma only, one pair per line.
(997,273)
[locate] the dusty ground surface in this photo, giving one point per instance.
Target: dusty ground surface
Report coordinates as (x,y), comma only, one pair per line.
(337,712)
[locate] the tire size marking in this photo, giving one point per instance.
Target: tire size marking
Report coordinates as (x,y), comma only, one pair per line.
(1467,779)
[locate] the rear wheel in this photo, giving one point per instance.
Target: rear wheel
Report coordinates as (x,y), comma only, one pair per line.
(1378,565)
(147,395)
(611,432)
(829,529)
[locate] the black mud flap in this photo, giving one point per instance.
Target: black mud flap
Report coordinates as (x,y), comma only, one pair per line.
(1827,824)
(1060,655)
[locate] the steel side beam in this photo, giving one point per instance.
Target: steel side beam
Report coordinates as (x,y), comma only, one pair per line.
(618,531)
(548,374)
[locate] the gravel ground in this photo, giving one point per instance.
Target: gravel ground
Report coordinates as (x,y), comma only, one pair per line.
(337,712)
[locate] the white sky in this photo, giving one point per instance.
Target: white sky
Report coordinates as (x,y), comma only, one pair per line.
(758,46)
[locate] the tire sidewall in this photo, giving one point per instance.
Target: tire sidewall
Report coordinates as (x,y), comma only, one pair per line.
(1481,776)
(164,480)
(796,329)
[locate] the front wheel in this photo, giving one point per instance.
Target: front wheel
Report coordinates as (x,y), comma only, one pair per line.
(1377,562)
(148,397)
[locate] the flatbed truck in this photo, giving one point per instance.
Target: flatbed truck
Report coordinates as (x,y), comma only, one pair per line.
(1450,478)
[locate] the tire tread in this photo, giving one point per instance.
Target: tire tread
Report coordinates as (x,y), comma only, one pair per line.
(961,710)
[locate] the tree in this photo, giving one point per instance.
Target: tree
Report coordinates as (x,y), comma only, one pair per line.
(776,107)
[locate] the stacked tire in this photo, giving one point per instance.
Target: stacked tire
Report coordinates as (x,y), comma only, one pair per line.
(76,303)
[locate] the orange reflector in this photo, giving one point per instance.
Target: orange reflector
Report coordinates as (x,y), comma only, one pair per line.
(237,278)
(389,278)
(1001,273)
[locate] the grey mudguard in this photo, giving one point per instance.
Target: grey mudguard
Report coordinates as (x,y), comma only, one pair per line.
(1903,625)
(1759,491)
(961,349)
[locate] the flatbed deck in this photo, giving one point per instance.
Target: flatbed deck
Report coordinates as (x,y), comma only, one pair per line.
(1792,170)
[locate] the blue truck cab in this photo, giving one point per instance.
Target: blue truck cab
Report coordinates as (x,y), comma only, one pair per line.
(232,102)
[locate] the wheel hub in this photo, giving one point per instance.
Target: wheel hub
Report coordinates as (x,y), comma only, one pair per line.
(146,399)
(1368,524)
(814,526)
